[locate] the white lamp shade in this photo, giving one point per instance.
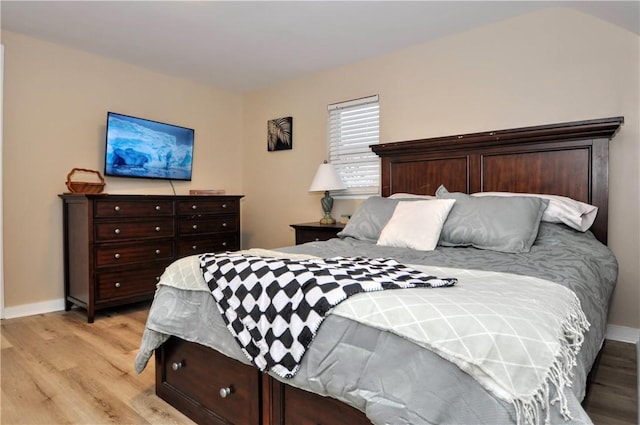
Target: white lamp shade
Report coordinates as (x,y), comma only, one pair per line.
(326,178)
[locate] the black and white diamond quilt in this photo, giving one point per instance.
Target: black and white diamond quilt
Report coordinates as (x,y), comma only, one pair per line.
(274,306)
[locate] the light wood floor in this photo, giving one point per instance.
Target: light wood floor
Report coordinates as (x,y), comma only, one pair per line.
(57,369)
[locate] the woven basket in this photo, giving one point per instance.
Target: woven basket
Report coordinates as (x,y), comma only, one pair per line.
(85,187)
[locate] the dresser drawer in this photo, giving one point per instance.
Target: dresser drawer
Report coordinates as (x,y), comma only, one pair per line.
(226,387)
(158,228)
(132,208)
(125,283)
(126,253)
(207,206)
(193,225)
(214,243)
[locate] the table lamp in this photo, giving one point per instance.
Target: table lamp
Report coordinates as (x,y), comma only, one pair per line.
(326,179)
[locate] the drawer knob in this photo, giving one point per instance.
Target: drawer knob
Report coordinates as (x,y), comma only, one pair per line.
(177,365)
(224,244)
(194,247)
(116,231)
(224,224)
(194,207)
(157,207)
(117,284)
(224,205)
(157,228)
(116,256)
(157,278)
(116,208)
(225,392)
(195,226)
(317,239)
(157,251)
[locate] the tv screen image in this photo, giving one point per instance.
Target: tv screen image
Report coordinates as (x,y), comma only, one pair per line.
(138,147)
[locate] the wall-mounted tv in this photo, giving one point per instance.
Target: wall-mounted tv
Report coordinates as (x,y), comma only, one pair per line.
(138,147)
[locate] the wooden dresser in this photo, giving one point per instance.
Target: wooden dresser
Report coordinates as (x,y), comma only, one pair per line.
(117,246)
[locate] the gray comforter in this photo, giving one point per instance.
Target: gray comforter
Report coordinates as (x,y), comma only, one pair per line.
(390,378)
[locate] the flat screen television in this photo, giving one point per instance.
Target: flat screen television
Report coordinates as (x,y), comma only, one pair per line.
(138,147)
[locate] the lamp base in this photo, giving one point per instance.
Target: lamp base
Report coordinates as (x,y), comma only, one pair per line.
(327,220)
(327,205)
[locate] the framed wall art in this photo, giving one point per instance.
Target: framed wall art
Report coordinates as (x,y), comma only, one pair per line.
(280,134)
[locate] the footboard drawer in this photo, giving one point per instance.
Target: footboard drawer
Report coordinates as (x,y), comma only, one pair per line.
(305,408)
(207,386)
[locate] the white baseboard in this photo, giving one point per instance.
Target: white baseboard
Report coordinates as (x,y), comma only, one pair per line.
(32,309)
(623,334)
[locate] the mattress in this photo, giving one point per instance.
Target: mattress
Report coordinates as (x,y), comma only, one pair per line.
(391,379)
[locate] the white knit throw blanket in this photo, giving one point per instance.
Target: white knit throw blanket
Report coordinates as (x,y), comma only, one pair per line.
(518,336)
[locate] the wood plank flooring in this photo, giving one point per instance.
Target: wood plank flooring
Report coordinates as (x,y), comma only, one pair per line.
(613,398)
(57,369)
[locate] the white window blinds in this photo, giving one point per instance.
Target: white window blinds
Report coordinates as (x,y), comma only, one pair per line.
(352,127)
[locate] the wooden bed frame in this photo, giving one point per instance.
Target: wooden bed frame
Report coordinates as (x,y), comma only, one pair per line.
(569,159)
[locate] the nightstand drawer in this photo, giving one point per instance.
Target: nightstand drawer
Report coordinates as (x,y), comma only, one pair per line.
(310,232)
(311,235)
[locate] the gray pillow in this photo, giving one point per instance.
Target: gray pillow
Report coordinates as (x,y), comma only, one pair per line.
(495,223)
(369,219)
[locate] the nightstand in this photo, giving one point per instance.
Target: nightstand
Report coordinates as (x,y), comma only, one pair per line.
(314,231)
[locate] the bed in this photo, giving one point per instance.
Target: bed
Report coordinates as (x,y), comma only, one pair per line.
(357,371)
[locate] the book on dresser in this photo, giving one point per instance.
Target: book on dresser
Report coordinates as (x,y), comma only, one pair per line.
(116,247)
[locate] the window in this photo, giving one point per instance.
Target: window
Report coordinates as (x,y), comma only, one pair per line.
(352,127)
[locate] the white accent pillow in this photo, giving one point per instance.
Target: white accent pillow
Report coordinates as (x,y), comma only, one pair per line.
(416,225)
(561,209)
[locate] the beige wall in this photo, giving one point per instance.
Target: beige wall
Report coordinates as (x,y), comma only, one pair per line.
(552,66)
(55,108)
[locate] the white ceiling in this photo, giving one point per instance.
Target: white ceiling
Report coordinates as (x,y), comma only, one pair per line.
(247,45)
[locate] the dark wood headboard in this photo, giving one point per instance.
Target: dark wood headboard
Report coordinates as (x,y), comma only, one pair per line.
(568,159)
